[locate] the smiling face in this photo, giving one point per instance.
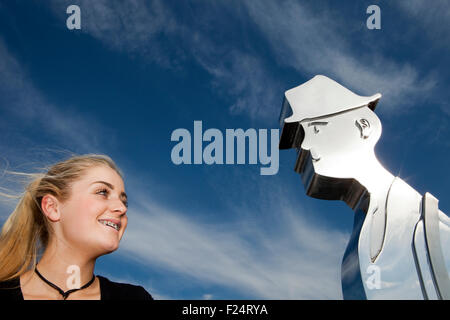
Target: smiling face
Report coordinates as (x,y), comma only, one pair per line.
(94,219)
(342,145)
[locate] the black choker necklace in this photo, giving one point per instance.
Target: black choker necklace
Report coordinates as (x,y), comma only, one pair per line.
(66,293)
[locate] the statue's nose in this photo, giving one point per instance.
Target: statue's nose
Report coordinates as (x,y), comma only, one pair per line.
(306,143)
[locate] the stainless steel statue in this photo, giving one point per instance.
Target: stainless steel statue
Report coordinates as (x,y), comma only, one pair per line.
(396,249)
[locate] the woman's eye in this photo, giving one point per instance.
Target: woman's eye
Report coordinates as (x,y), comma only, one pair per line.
(103,192)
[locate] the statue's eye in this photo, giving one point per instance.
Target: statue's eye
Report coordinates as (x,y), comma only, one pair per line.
(316,125)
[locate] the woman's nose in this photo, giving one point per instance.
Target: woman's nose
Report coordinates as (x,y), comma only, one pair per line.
(119,206)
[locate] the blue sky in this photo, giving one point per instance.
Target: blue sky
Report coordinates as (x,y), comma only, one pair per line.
(137,70)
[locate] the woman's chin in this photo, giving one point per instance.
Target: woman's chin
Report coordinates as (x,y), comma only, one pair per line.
(107,246)
(111,247)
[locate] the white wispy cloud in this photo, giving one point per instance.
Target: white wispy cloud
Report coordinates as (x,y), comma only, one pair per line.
(430,18)
(245,78)
(427,20)
(26,107)
(308,41)
(151,30)
(132,26)
(303,39)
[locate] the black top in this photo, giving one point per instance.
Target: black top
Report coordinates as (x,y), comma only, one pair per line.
(109,290)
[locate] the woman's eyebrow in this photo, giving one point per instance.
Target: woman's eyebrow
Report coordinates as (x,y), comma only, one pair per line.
(109,185)
(105,183)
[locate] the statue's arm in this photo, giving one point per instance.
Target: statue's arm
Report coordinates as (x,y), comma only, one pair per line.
(444,232)
(437,236)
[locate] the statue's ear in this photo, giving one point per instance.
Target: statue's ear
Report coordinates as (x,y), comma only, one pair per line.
(364,126)
(368,124)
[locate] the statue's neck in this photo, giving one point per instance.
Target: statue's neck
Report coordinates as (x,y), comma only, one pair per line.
(377,181)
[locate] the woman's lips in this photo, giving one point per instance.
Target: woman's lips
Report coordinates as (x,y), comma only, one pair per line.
(112,223)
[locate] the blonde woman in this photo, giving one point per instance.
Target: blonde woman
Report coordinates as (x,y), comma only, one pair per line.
(74,213)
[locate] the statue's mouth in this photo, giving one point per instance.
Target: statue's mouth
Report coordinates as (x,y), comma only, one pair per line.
(323,187)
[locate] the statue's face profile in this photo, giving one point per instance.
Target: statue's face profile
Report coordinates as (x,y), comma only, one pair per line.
(342,145)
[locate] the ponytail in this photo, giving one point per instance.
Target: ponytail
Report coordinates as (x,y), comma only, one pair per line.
(20,235)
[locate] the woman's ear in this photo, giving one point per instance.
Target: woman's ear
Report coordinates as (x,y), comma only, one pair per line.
(50,207)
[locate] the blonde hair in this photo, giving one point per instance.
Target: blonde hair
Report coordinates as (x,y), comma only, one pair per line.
(27,229)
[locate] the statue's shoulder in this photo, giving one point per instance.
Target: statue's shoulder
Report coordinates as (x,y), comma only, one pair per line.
(403,198)
(400,188)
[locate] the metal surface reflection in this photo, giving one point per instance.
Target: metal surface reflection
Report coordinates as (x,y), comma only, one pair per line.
(399,244)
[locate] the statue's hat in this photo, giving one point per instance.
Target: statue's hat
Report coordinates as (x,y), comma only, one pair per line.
(322,96)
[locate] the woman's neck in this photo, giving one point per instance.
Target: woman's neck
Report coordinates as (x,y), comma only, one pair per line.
(65,267)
